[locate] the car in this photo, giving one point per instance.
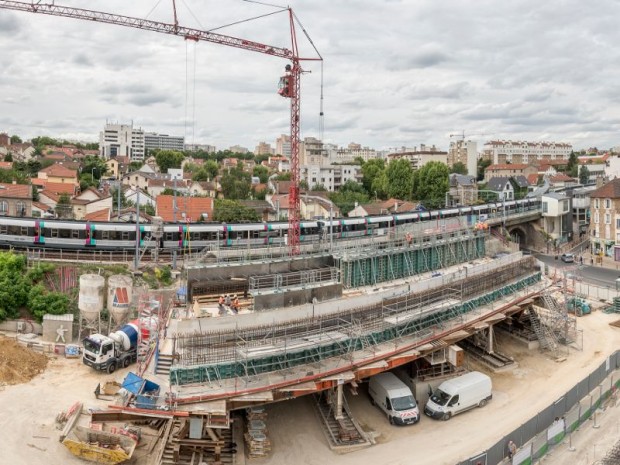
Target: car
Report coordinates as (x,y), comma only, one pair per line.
(573,277)
(567,257)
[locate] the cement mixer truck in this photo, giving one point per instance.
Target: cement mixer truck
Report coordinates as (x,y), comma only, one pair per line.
(107,353)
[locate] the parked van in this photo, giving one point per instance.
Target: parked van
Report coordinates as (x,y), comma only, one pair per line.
(393,396)
(459,394)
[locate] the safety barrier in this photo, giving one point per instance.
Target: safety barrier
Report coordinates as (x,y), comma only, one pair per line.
(540,434)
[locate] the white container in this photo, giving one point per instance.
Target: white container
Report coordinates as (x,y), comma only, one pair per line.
(120,294)
(90,301)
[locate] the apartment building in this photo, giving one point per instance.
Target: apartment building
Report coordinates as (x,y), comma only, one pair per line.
(605,219)
(507,151)
(122,140)
(283,145)
(154,141)
(465,152)
(419,157)
(331,177)
(263,148)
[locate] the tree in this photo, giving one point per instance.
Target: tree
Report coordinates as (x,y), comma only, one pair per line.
(8,157)
(349,195)
(16,140)
(370,171)
(230,211)
(283,177)
(208,172)
(41,302)
(430,184)
(379,186)
(319,188)
(236,184)
(573,165)
(483,164)
(63,206)
(87,180)
(399,179)
(167,159)
(94,166)
(262,172)
(584,175)
(459,168)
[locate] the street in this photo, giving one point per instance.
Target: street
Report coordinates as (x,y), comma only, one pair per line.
(597,275)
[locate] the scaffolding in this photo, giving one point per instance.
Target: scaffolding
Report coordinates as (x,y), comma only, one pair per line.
(208,357)
(409,255)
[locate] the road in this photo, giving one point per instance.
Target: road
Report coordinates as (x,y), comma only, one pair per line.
(589,274)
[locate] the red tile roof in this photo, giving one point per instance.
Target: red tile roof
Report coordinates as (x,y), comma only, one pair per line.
(611,190)
(60,188)
(40,206)
(560,177)
(16,191)
(532,179)
(193,207)
(282,199)
(507,166)
(99,215)
(57,170)
(6,165)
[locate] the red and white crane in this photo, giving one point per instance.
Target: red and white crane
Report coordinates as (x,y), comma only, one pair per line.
(289,84)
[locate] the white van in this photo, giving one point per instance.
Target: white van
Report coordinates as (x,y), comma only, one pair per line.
(394,398)
(459,394)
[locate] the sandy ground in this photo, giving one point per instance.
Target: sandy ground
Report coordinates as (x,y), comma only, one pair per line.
(29,410)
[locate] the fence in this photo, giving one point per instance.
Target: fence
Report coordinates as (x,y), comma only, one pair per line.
(541,433)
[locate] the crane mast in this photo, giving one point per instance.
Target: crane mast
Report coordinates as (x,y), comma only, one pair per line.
(289,84)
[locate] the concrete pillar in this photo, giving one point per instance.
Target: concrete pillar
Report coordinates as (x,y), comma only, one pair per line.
(339,393)
(490,347)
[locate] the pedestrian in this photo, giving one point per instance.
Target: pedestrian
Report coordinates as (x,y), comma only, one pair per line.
(512,449)
(581,259)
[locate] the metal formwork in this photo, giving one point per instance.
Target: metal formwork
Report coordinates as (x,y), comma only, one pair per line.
(211,356)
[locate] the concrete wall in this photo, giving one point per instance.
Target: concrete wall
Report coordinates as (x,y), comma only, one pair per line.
(29,326)
(287,298)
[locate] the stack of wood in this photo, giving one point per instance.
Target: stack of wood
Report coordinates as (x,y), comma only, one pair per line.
(256,436)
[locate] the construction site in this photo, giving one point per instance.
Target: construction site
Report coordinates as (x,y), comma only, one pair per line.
(212,384)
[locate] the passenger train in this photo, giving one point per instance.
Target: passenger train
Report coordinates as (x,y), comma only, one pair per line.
(67,234)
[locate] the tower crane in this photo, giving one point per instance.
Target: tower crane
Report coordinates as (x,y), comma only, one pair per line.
(289,86)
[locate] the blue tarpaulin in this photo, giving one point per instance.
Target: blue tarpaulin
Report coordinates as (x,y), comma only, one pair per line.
(145,391)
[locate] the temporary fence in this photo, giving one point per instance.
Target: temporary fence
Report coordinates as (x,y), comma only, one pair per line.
(540,434)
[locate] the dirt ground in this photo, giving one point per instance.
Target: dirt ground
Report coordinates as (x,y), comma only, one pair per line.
(19,364)
(30,436)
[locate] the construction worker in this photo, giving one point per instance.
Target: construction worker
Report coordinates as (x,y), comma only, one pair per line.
(220,305)
(227,300)
(235,304)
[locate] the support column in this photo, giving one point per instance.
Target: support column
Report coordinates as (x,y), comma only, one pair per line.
(490,341)
(339,397)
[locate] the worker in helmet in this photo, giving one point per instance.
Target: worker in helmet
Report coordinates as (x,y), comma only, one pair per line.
(220,305)
(235,304)
(227,300)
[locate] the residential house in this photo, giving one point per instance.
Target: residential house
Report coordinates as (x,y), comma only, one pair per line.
(188,209)
(281,205)
(463,189)
(384,207)
(557,218)
(50,199)
(204,189)
(19,152)
(99,215)
(263,209)
(503,187)
(508,170)
(315,205)
(131,195)
(157,186)
(90,201)
(15,199)
(581,209)
(128,215)
(605,220)
(562,180)
(41,210)
(59,174)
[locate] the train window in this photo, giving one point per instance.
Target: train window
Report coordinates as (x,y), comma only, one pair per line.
(169,236)
(125,236)
(3,229)
(75,233)
(54,233)
(105,235)
(23,231)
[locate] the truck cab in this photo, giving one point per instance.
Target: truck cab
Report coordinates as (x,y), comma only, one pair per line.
(107,353)
(393,396)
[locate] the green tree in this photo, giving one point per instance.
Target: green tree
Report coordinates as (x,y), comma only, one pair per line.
(167,159)
(87,180)
(41,302)
(236,184)
(16,140)
(261,158)
(430,184)
(584,175)
(208,172)
(283,177)
(399,176)
(94,166)
(262,172)
(482,166)
(230,211)
(8,157)
(459,168)
(572,166)
(371,170)
(63,206)
(319,188)
(349,195)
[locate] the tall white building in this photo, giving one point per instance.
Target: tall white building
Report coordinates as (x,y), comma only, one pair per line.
(331,177)
(154,141)
(122,140)
(419,158)
(466,152)
(507,151)
(283,145)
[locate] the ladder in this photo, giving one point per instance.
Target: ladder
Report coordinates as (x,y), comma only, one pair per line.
(545,337)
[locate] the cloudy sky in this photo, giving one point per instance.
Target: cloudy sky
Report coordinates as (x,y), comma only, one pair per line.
(396,72)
